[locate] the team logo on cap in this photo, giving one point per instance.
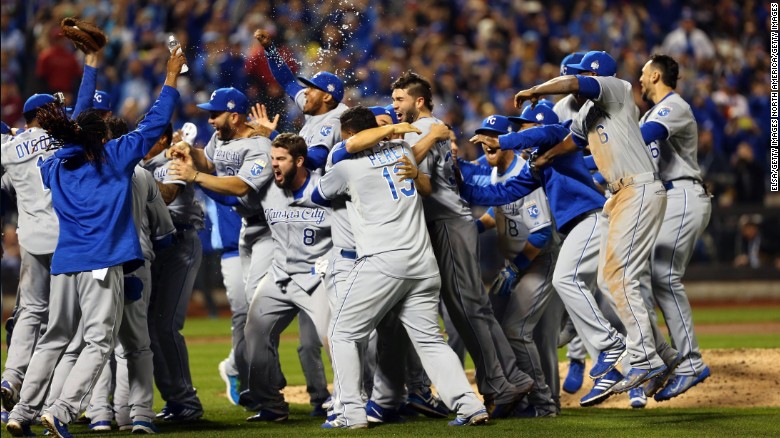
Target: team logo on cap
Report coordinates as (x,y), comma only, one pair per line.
(331,88)
(491,120)
(98,97)
(663,112)
(326,130)
(594,65)
(257,168)
(213,95)
(540,117)
(231,105)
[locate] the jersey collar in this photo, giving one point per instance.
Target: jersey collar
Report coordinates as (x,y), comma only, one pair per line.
(298,194)
(669,94)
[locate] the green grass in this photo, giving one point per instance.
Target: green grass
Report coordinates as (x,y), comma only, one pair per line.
(209,344)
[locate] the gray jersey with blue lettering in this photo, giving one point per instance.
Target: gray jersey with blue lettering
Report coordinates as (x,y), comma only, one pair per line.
(444,201)
(301,234)
(615,141)
(517,220)
(250,160)
(150,215)
(38,224)
(321,130)
(566,108)
(185,209)
(676,154)
(340,228)
(387,218)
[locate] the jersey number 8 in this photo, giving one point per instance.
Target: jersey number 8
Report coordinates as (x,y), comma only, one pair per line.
(309,236)
(406,191)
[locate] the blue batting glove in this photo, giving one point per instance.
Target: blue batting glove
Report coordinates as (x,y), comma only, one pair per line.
(505,282)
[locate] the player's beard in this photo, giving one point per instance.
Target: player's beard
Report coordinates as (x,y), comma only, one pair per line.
(411,115)
(287,179)
(225,132)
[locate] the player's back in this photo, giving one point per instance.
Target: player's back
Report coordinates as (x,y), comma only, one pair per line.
(388,219)
(38,224)
(566,108)
(677,154)
(444,202)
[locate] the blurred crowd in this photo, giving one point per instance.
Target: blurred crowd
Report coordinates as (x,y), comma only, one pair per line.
(477,53)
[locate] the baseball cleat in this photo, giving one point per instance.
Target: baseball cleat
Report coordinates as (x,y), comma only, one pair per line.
(4,417)
(636,377)
(378,414)
(181,414)
(328,403)
(318,411)
(19,428)
(679,384)
(656,383)
(231,383)
(574,377)
(144,427)
(475,419)
(339,423)
(55,427)
(534,412)
(607,361)
(9,395)
(163,413)
(602,389)
(100,426)
(268,415)
(637,398)
(125,428)
(424,402)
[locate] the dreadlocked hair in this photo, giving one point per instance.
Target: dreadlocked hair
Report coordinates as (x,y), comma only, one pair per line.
(88,130)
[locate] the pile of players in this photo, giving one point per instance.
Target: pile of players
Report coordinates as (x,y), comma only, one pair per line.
(361,225)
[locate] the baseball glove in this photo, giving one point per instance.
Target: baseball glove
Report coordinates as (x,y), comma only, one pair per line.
(85,36)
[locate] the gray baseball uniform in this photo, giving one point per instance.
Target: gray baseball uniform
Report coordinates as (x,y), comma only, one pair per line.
(519,312)
(687,214)
(173,276)
(395,268)
(455,243)
(633,215)
(301,235)
(323,129)
(134,392)
(38,229)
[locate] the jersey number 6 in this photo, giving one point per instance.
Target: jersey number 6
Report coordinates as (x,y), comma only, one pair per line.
(406,191)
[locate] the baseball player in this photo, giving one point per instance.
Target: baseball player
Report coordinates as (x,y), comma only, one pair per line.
(301,235)
(669,129)
(320,102)
(454,239)
(395,268)
(38,231)
(521,291)
(240,161)
(87,272)
(633,214)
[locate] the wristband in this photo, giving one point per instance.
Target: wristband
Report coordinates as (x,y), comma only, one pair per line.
(521,261)
(480,226)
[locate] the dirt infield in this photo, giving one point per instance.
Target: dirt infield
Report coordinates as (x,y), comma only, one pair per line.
(740,378)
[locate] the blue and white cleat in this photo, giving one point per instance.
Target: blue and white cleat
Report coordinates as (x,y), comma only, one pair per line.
(475,419)
(378,414)
(100,426)
(144,427)
(573,381)
(424,402)
(637,398)
(679,384)
(231,383)
(607,361)
(266,415)
(55,427)
(636,377)
(18,428)
(602,389)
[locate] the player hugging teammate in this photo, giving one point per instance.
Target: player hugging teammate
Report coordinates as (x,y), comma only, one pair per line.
(361,226)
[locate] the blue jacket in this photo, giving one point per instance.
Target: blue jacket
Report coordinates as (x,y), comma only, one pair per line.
(93,202)
(566,181)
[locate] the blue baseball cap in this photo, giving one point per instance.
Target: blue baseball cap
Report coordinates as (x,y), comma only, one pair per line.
(383,110)
(571,58)
(601,63)
(101,101)
(227,99)
(327,82)
(541,114)
(546,102)
(36,101)
(494,124)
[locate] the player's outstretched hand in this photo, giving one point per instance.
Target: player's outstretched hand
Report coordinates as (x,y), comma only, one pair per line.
(407,170)
(490,142)
(440,131)
(188,133)
(178,150)
(321,265)
(181,169)
(260,123)
(263,37)
(175,63)
(404,128)
(524,95)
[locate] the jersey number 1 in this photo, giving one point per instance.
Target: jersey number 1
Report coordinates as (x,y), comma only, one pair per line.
(408,191)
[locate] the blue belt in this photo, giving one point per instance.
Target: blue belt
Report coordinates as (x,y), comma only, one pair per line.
(347,254)
(681,182)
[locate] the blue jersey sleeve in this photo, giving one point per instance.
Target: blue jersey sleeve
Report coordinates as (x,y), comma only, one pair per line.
(543,137)
(316,157)
(86,91)
(500,194)
(128,149)
(226,200)
(282,72)
(476,174)
(653,131)
(589,87)
(590,163)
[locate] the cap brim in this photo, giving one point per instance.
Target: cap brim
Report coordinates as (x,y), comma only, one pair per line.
(489,131)
(311,84)
(577,67)
(519,120)
(208,107)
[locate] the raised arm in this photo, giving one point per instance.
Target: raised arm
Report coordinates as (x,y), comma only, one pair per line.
(500,194)
(438,132)
(88,83)
(279,68)
(560,85)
